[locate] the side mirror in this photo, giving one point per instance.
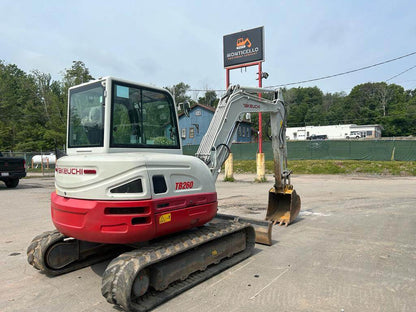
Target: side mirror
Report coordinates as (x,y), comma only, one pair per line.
(185,107)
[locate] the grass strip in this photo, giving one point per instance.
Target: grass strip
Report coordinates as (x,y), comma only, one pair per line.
(396,168)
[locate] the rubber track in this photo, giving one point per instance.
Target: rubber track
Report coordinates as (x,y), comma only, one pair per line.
(120,274)
(39,246)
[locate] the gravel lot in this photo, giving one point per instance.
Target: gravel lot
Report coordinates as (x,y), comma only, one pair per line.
(353,248)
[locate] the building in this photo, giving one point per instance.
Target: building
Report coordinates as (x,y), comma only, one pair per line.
(335,132)
(366,131)
(243,132)
(193,128)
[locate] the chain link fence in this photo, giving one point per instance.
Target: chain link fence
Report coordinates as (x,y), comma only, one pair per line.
(38,163)
(400,150)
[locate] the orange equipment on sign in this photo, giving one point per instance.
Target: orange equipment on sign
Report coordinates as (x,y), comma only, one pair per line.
(241,43)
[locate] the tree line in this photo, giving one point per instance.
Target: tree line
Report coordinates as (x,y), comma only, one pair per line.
(388,105)
(33,106)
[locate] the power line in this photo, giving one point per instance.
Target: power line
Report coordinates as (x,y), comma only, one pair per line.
(334,75)
(344,73)
(400,73)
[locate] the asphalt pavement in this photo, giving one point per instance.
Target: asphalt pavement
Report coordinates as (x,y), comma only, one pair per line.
(352,248)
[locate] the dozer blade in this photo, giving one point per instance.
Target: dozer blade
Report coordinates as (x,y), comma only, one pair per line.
(262,229)
(283,207)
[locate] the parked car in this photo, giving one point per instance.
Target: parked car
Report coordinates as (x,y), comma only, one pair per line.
(11,170)
(317,137)
(354,135)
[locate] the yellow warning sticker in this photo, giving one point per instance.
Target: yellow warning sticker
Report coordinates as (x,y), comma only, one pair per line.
(165,218)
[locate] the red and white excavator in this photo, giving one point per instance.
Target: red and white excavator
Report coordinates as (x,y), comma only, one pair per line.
(125,190)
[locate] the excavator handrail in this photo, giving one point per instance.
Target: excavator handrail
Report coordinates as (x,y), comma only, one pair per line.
(257,89)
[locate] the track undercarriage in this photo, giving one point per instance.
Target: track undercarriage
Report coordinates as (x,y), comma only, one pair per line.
(141,278)
(54,254)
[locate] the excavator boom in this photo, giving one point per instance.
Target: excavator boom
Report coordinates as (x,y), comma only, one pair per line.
(284,203)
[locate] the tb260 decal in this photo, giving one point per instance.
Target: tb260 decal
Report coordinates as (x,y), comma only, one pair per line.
(184,185)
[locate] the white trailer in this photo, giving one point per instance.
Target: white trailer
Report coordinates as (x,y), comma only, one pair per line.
(334,132)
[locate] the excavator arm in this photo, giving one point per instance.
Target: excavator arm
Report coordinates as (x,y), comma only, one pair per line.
(215,145)
(284,203)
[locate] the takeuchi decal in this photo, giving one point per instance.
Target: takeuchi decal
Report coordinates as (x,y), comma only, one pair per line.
(255,106)
(74,171)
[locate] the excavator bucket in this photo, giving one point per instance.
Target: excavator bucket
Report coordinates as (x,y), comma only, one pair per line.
(283,206)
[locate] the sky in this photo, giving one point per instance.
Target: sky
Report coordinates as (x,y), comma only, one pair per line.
(166,42)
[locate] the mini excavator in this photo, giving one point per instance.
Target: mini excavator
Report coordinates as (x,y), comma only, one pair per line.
(125,191)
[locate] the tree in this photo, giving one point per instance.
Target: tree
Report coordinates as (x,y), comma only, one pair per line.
(33,107)
(54,106)
(210,99)
(179,92)
(333,106)
(17,92)
(304,106)
(76,75)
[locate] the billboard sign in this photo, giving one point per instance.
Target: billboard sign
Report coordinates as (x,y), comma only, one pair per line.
(244,47)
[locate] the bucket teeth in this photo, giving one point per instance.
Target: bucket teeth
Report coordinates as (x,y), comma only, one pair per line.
(281,222)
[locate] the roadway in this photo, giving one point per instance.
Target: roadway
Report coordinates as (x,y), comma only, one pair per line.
(352,248)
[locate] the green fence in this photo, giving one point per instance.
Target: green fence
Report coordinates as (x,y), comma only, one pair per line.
(404,150)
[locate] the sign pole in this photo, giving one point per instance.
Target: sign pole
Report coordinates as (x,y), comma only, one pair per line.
(227,78)
(260,162)
(244,49)
(260,117)
(229,167)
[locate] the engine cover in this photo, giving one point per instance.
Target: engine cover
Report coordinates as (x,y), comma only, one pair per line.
(131,197)
(107,176)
